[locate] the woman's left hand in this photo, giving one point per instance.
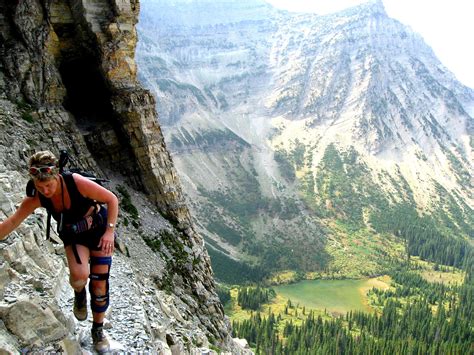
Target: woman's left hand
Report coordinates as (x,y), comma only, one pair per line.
(106,243)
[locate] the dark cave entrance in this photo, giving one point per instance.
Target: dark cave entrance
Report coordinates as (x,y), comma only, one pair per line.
(88,97)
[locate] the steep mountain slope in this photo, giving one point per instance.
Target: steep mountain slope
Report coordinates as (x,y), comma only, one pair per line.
(295,135)
(68,81)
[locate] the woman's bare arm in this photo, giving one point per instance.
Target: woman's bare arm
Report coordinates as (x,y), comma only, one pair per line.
(90,189)
(94,191)
(27,207)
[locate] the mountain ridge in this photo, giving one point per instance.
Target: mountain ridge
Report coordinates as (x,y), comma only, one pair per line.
(297,88)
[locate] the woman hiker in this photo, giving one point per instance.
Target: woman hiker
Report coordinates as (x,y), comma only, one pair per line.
(86,214)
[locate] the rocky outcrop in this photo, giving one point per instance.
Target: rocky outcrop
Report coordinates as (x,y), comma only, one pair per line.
(79,55)
(68,81)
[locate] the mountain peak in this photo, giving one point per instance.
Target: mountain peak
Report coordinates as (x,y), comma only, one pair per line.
(374,6)
(255,108)
(371,7)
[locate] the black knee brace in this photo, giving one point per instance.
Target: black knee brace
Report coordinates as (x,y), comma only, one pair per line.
(100,260)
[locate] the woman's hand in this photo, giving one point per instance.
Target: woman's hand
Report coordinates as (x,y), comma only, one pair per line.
(27,207)
(96,192)
(106,243)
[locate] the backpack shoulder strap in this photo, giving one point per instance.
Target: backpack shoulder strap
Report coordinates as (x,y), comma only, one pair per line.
(70,184)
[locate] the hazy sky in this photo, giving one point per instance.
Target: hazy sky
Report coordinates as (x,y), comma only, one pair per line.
(446,25)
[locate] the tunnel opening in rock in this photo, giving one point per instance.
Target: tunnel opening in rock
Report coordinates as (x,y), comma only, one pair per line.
(88,97)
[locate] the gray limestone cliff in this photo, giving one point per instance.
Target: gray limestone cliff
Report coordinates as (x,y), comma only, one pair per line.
(68,81)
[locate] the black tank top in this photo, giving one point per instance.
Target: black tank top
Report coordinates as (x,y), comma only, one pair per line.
(80,205)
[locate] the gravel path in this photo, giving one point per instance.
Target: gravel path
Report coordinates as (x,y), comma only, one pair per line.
(126,323)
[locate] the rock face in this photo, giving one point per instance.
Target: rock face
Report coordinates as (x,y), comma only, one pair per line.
(68,81)
(80,55)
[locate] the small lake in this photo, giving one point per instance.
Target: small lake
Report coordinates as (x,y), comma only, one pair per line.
(338,296)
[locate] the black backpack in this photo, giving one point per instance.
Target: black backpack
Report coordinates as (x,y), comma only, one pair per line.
(63,160)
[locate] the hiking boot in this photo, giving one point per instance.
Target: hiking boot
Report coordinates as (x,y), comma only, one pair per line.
(99,340)
(80,305)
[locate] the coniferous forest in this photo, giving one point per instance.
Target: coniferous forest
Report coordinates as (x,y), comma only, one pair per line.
(413,316)
(253,298)
(417,318)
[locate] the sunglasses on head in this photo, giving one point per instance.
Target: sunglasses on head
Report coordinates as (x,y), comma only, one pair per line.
(47,169)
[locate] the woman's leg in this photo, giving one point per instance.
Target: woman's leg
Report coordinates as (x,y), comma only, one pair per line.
(99,291)
(99,284)
(78,275)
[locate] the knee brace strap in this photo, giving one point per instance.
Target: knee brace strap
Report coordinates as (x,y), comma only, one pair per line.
(105,260)
(101,260)
(99,277)
(99,298)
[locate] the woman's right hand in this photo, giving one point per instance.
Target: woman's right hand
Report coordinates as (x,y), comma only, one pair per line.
(27,207)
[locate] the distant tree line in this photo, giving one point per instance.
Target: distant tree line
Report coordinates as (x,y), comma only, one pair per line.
(422,237)
(412,284)
(224,293)
(408,327)
(232,272)
(253,297)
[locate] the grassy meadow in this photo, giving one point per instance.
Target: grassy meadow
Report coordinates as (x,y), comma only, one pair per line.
(326,297)
(335,296)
